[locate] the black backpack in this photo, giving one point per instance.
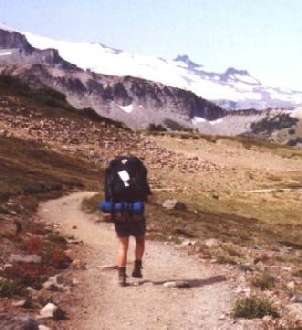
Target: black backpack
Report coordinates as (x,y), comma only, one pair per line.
(126,180)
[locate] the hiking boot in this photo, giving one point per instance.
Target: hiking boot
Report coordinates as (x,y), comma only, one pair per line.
(137,271)
(122,276)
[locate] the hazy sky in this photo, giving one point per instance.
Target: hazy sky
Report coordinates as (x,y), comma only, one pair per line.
(262,36)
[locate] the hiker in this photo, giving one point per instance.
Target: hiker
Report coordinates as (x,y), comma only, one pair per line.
(126,191)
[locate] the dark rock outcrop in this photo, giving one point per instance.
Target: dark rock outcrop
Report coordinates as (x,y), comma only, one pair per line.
(19,52)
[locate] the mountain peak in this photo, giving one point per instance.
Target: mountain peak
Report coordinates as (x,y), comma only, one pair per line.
(5,27)
(186,59)
(231,70)
(111,49)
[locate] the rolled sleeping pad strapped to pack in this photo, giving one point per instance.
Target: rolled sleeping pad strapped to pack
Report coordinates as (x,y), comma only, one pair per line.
(137,207)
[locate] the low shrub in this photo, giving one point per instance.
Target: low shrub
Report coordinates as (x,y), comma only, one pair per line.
(298,273)
(9,288)
(253,307)
(25,275)
(56,238)
(33,245)
(264,281)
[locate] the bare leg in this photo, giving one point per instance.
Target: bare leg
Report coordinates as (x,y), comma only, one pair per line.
(139,247)
(123,243)
(139,252)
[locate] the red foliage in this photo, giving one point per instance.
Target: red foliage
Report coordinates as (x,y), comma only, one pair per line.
(59,259)
(28,274)
(33,245)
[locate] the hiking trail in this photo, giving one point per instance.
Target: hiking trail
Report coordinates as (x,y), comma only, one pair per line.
(144,304)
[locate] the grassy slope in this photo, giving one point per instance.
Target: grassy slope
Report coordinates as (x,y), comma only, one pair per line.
(27,167)
(50,103)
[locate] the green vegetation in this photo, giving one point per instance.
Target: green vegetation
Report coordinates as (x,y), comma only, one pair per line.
(278,122)
(253,307)
(9,288)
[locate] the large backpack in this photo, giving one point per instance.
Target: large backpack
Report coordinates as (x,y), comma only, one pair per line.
(126,180)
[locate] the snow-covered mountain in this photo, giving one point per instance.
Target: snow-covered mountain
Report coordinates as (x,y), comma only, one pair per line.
(141,90)
(134,101)
(233,89)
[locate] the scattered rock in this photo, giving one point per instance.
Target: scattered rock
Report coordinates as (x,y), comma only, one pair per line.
(174,204)
(215,196)
(74,227)
(298,298)
(188,243)
(51,311)
(169,284)
(78,264)
(48,311)
(43,327)
(74,241)
(75,281)
(177,284)
(26,259)
(295,311)
(16,322)
(25,303)
(19,303)
(212,242)
(69,253)
(53,284)
(291,285)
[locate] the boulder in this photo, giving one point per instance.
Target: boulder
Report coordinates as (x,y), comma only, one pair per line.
(43,327)
(51,311)
(187,242)
(34,259)
(53,284)
(174,204)
(177,284)
(25,303)
(295,311)
(212,242)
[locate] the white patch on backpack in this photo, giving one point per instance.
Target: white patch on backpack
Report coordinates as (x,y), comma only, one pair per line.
(124,161)
(124,175)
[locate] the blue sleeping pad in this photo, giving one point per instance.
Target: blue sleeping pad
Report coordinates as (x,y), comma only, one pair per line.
(137,207)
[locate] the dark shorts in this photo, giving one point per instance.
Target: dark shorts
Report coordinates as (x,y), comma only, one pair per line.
(130,226)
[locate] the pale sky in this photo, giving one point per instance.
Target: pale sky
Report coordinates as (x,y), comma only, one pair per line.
(262,36)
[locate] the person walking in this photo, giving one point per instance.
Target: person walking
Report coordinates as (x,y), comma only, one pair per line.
(126,191)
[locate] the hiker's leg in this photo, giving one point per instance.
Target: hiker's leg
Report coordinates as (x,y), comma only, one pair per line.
(139,247)
(139,252)
(123,243)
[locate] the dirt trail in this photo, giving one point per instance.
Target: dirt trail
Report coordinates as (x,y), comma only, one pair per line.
(146,304)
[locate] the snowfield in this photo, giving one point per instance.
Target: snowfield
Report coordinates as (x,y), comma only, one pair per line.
(234,89)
